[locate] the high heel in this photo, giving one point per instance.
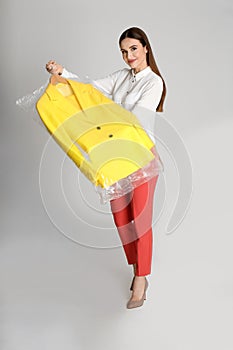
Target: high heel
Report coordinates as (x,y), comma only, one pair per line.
(131,287)
(136,303)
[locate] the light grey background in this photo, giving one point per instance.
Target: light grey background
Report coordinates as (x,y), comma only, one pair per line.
(57,294)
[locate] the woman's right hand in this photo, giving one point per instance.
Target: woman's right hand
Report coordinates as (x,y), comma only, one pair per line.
(53,67)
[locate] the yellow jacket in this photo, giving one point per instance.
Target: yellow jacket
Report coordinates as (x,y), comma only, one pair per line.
(105,141)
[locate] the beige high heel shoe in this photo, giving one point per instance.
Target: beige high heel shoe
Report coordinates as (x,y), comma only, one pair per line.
(136,303)
(131,287)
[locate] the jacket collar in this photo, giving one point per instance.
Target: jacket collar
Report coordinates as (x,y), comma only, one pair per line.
(54,94)
(61,101)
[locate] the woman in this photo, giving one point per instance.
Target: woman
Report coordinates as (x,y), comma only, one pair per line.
(141,86)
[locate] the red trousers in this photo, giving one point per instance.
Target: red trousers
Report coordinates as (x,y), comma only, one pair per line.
(132,215)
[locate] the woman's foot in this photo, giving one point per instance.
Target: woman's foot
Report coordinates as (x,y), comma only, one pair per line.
(139,294)
(134,269)
(138,288)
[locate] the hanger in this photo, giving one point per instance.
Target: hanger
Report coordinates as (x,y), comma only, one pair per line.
(56,78)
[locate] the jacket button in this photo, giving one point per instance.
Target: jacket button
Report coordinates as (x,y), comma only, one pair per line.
(98,127)
(110,135)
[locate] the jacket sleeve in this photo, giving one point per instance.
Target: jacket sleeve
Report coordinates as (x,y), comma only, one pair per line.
(62,137)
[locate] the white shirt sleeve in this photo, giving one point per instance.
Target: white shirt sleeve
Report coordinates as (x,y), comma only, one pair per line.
(105,85)
(66,74)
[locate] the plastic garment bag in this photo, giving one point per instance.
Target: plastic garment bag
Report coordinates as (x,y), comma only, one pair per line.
(106,141)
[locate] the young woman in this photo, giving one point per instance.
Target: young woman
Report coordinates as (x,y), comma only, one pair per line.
(141,86)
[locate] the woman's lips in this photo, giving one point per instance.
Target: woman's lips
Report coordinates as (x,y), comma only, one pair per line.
(131,61)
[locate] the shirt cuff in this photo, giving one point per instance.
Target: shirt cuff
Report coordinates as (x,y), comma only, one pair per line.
(66,74)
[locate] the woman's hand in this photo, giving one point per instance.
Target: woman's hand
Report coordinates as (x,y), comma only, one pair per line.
(54,68)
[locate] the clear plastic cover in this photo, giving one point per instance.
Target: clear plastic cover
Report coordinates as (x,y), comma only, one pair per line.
(127,184)
(106,141)
(28,103)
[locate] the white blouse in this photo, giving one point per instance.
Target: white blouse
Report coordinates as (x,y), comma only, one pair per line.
(139,93)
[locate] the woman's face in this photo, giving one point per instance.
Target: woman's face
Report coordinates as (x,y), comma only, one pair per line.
(134,54)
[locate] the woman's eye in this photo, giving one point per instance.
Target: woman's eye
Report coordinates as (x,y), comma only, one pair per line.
(134,48)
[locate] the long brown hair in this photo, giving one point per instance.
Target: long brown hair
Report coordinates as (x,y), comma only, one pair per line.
(137,33)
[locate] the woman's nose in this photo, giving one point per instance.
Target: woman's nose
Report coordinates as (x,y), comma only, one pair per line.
(129,55)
